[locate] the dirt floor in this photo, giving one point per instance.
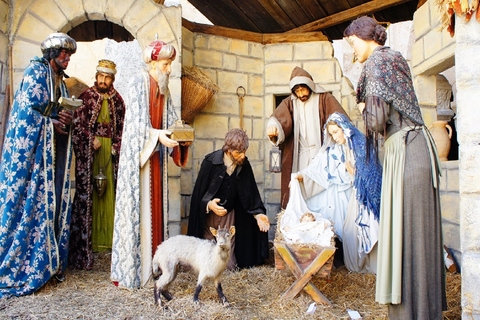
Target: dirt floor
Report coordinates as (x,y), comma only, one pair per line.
(253,294)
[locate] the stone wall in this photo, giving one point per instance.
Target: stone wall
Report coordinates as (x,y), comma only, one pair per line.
(467,64)
(264,71)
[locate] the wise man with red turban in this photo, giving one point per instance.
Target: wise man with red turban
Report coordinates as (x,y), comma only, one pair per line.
(141,208)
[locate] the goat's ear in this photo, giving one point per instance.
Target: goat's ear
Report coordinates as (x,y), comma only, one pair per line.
(232,230)
(213,231)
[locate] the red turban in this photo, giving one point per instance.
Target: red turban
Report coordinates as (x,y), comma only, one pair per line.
(158,50)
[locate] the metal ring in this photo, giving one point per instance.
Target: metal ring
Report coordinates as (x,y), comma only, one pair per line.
(241,95)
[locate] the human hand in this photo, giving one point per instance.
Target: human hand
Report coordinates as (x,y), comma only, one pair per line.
(185,143)
(96,143)
(272,133)
(299,177)
(361,107)
(65,116)
(165,140)
(59,127)
(218,210)
(350,168)
(263,222)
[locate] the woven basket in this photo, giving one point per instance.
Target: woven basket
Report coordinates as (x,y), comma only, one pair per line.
(197,90)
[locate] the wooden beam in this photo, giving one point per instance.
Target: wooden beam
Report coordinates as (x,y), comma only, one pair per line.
(349,14)
(263,38)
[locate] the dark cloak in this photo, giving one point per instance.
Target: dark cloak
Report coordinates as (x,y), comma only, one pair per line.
(251,244)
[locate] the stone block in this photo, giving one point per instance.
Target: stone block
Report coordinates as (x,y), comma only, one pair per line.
(140,13)
(186,182)
(95,9)
(451,235)
(421,21)
(453,181)
(173,14)
(327,50)
(253,106)
(258,129)
(4,12)
(272,196)
(3,48)
(239,47)
(174,199)
(208,59)
(174,228)
(417,52)
(254,150)
(432,43)
(278,73)
(49,11)
(255,85)
(172,169)
(201,41)
(450,204)
(443,181)
(256,50)
(308,51)
(279,52)
(230,81)
(250,65)
(211,126)
(467,67)
(470,283)
(24,51)
(201,148)
(230,62)
(435,16)
(115,10)
(469,171)
(219,44)
(224,104)
(447,39)
(429,115)
(258,173)
(322,71)
(467,32)
(73,10)
(187,39)
(469,222)
(145,33)
(187,58)
(33,29)
(425,88)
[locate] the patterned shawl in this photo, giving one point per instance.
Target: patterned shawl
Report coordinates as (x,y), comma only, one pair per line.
(386,75)
(368,171)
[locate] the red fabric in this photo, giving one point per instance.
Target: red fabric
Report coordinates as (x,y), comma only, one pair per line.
(156,168)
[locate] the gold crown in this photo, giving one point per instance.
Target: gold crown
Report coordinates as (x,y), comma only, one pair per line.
(106,66)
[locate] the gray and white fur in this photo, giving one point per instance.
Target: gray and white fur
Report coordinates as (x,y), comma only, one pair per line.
(207,259)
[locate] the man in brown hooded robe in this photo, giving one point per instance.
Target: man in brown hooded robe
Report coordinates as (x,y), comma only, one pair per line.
(297,123)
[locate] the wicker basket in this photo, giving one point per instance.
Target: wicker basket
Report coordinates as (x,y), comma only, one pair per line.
(197,90)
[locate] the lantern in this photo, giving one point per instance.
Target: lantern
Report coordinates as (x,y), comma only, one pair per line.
(100,183)
(275,159)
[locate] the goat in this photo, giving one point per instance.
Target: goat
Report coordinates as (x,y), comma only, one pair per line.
(205,257)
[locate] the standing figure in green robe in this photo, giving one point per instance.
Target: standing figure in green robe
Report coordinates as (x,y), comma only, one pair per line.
(97,136)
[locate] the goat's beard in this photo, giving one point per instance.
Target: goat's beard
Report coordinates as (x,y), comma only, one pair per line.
(162,81)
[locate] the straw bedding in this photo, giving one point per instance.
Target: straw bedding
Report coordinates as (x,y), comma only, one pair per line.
(253,294)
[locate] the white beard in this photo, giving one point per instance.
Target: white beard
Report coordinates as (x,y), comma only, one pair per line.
(162,81)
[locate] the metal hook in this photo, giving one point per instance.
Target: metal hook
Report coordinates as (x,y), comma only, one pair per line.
(239,94)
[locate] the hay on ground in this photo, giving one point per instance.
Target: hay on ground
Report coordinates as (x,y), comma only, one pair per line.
(253,294)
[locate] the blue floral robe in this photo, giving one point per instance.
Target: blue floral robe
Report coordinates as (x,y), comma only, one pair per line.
(34,196)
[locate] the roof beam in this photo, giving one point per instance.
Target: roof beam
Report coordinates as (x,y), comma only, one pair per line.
(263,38)
(347,15)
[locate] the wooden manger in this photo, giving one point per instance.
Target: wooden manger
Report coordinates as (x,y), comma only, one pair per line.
(305,261)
